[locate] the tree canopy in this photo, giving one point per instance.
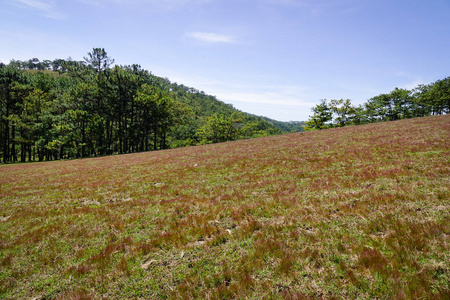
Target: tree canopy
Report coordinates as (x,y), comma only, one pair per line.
(424,100)
(64,109)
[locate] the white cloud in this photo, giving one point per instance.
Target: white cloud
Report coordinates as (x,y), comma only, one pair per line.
(281,102)
(287,2)
(36,4)
(161,4)
(44,7)
(211,37)
(276,95)
(276,102)
(319,6)
(176,2)
(232,92)
(412,85)
(410,81)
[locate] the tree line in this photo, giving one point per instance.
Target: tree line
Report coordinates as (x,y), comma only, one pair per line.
(65,109)
(424,100)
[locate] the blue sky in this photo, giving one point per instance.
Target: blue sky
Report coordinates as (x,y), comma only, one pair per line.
(275,58)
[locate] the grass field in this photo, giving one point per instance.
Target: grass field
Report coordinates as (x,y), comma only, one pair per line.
(358,212)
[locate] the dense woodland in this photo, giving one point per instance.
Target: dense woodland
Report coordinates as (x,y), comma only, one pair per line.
(64,109)
(424,100)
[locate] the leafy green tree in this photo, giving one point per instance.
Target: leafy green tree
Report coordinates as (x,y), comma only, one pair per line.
(160,113)
(217,129)
(321,117)
(441,89)
(163,117)
(401,100)
(81,99)
(380,108)
(343,110)
(185,125)
(390,107)
(250,129)
(423,100)
(57,65)
(146,100)
(358,115)
(71,109)
(33,64)
(19,94)
(99,60)
(10,101)
(36,113)
(124,85)
(433,98)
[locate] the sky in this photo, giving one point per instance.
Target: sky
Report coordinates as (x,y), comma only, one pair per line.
(275,58)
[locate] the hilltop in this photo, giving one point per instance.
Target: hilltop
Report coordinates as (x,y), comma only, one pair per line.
(351,212)
(64,109)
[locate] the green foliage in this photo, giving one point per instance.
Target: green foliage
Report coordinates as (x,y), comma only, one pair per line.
(433,99)
(321,117)
(390,107)
(222,128)
(425,100)
(66,109)
(99,60)
(343,110)
(290,126)
(217,129)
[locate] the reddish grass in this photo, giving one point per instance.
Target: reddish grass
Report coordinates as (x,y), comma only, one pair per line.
(353,212)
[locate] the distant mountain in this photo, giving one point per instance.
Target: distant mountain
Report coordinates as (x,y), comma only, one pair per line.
(291,126)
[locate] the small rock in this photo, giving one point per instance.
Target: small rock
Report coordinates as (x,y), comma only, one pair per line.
(4,219)
(147,264)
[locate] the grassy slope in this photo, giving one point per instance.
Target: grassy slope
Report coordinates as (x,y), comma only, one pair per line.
(355,212)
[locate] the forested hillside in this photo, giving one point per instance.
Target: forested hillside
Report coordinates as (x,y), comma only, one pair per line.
(65,109)
(291,126)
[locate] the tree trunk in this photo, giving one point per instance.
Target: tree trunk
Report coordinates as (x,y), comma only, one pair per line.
(23,151)
(13,143)
(6,140)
